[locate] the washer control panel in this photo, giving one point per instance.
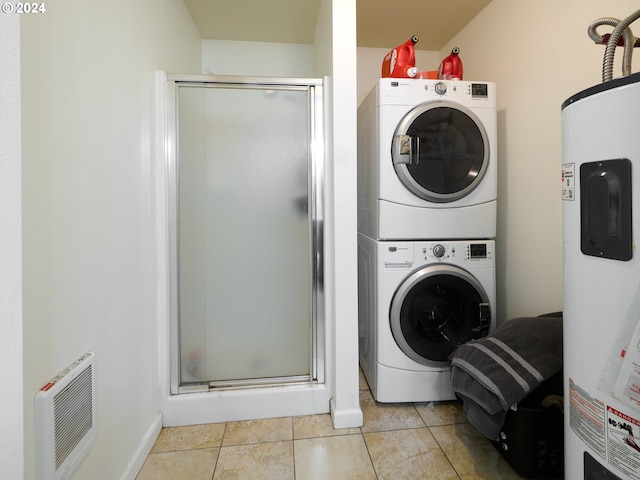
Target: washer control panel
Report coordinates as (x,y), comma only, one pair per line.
(404,255)
(455,251)
(396,254)
(439,251)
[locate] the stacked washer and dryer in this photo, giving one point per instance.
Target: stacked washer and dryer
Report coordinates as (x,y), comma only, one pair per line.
(427,183)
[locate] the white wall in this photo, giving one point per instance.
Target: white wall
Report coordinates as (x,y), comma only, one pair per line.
(89,160)
(225,57)
(539,54)
(11,440)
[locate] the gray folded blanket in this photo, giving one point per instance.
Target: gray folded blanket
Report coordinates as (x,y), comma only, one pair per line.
(494,373)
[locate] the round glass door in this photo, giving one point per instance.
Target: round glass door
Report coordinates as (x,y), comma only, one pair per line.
(440,152)
(435,309)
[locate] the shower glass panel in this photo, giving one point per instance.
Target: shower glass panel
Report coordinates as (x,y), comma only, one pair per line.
(247,191)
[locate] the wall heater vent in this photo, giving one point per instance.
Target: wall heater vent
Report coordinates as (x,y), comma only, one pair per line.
(65,420)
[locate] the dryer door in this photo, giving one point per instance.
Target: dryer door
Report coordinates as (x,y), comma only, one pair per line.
(440,151)
(435,309)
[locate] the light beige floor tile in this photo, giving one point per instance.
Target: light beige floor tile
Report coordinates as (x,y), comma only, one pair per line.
(380,417)
(311,426)
(263,461)
(408,455)
(441,413)
(472,455)
(184,465)
(336,458)
(190,437)
(258,431)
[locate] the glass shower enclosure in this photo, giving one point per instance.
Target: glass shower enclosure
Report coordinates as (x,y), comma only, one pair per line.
(246,227)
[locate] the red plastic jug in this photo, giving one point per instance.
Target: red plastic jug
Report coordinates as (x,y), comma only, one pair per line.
(401,61)
(451,66)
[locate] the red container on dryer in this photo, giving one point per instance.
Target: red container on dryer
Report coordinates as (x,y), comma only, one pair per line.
(451,66)
(401,61)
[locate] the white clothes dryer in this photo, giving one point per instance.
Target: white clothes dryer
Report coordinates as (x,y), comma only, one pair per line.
(417,302)
(427,164)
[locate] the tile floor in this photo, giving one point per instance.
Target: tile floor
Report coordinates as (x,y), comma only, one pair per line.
(397,441)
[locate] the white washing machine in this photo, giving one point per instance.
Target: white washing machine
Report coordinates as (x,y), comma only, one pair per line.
(601,207)
(427,166)
(417,301)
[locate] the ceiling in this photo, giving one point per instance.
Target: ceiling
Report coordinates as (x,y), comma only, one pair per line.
(380,23)
(388,23)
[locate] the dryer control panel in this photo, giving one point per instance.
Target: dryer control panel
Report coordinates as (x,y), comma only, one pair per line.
(411,91)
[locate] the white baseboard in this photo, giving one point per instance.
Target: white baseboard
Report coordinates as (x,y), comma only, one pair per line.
(346,418)
(138,459)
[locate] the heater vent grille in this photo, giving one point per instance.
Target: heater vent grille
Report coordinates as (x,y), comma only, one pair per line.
(73,415)
(65,420)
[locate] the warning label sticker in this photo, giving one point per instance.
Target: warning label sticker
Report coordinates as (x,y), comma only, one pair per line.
(586,418)
(568,182)
(612,434)
(623,439)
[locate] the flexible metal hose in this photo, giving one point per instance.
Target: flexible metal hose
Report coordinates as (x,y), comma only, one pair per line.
(629,39)
(610,50)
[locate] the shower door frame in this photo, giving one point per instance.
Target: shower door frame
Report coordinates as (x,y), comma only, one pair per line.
(315,182)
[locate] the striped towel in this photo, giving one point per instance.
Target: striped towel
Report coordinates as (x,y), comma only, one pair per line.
(494,373)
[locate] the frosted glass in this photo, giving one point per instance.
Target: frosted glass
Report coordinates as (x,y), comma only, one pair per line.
(245,261)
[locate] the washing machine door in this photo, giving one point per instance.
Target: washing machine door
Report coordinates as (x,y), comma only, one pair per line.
(435,309)
(440,151)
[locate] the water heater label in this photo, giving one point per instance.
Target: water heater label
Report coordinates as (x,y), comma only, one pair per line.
(587,418)
(623,440)
(612,434)
(568,182)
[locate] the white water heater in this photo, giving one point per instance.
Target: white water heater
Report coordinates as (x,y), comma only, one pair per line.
(601,209)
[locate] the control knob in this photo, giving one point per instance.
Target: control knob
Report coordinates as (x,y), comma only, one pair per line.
(440,88)
(438,251)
